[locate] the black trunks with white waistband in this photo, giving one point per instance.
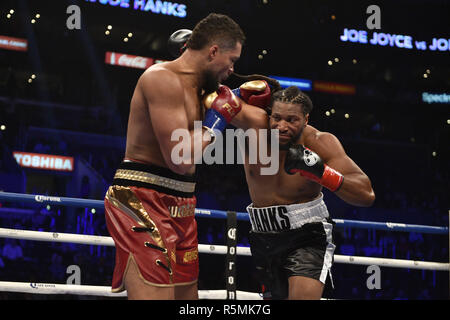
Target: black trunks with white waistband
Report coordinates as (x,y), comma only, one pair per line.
(299,244)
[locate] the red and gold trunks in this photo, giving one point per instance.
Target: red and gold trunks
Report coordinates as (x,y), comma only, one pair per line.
(150,216)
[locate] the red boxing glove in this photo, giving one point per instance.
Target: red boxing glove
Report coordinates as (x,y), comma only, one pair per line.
(256,93)
(222,106)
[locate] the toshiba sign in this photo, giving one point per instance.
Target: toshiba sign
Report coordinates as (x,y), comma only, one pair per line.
(127,60)
(43,161)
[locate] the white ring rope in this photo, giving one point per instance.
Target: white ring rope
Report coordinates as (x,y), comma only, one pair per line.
(51,288)
(98,240)
(104,291)
(393,263)
(216,249)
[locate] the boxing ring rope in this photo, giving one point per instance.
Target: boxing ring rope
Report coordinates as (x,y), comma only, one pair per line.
(218,214)
(213,249)
(104,291)
(45,288)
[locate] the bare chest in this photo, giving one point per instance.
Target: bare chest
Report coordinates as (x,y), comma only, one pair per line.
(193,107)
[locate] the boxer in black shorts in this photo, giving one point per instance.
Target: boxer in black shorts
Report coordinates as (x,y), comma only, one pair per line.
(291,239)
(301,246)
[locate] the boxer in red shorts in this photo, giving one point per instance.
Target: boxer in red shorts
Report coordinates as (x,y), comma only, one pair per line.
(150,205)
(150,214)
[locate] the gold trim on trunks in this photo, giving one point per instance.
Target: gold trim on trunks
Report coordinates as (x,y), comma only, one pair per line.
(173,256)
(185,210)
(121,287)
(125,200)
(147,177)
(190,255)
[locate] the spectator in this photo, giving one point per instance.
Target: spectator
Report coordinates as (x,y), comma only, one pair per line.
(57,268)
(401,295)
(12,251)
(2,264)
(424,295)
(85,189)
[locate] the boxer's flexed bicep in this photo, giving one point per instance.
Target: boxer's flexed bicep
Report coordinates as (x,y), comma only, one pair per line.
(356,188)
(164,95)
(332,153)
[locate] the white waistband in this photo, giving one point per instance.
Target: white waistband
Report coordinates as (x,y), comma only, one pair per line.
(287,217)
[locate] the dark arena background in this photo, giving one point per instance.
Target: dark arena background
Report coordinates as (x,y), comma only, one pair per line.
(65,93)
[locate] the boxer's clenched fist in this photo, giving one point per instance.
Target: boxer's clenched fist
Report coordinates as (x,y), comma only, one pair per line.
(222,106)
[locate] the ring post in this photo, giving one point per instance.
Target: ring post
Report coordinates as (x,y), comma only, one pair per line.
(230,265)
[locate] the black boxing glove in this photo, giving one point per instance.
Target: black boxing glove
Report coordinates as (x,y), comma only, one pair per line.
(177,42)
(310,165)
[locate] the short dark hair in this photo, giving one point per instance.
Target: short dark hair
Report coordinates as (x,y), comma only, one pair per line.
(292,95)
(216,28)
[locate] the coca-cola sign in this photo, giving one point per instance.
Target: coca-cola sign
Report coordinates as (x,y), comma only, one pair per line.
(11,43)
(128,60)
